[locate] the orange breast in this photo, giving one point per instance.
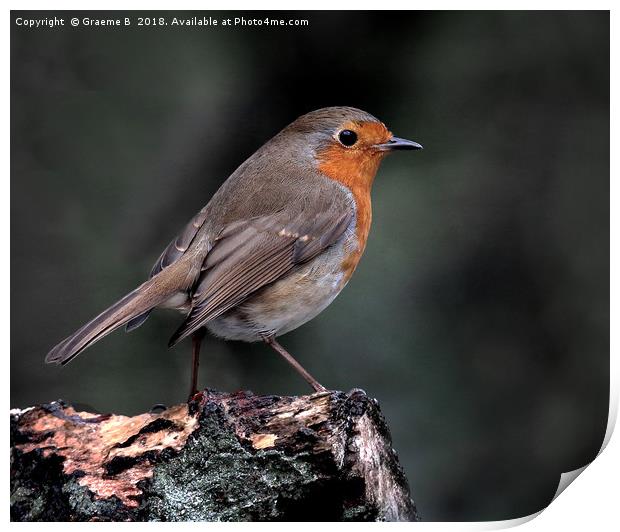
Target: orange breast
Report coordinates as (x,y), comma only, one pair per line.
(356,170)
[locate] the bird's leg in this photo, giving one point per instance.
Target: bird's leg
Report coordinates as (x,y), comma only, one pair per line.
(271,341)
(196,341)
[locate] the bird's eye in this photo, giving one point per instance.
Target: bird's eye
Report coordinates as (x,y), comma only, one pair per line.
(347,137)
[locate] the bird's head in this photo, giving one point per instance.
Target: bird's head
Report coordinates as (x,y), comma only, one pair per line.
(347,144)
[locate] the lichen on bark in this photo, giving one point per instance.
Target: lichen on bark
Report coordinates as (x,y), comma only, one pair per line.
(224,457)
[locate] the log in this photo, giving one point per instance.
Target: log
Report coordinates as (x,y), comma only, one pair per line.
(221,457)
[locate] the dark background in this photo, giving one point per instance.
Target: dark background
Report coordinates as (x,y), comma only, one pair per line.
(479,316)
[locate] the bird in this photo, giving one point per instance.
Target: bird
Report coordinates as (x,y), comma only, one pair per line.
(273,247)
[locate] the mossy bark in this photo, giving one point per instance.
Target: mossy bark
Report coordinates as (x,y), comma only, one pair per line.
(225,457)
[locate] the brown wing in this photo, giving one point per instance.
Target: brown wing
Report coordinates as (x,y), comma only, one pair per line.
(251,254)
(179,245)
(171,254)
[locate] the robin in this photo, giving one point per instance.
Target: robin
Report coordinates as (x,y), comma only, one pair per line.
(275,245)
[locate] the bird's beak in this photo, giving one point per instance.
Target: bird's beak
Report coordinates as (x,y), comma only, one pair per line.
(396,143)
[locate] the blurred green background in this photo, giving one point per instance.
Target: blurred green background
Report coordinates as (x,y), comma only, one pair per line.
(479,316)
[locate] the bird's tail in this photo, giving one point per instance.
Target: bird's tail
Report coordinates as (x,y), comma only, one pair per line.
(142,299)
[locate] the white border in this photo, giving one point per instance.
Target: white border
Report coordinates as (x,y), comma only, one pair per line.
(590,502)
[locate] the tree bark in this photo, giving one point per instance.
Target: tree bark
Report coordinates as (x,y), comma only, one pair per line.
(224,457)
